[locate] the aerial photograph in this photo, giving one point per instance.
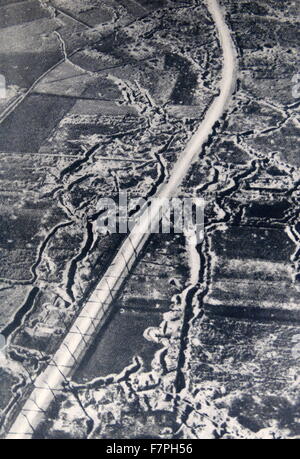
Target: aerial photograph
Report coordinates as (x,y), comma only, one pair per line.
(149,221)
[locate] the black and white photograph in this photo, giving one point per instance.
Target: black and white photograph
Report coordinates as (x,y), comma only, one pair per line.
(149,222)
